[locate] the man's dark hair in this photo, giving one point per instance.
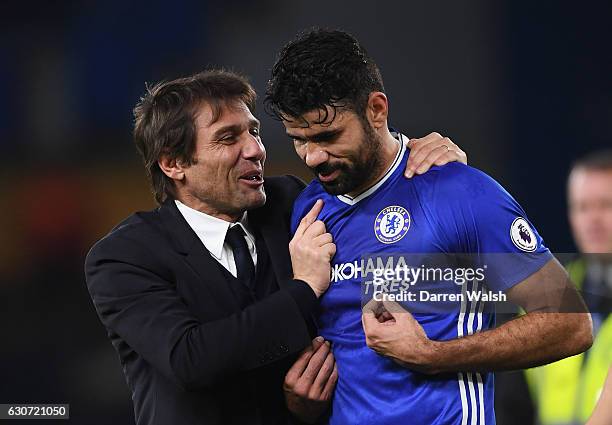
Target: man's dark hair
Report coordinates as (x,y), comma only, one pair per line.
(165,119)
(322,68)
(595,161)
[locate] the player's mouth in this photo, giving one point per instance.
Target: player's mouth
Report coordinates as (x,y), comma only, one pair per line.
(252,178)
(326,178)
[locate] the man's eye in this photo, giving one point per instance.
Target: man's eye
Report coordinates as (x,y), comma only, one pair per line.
(228,139)
(255,132)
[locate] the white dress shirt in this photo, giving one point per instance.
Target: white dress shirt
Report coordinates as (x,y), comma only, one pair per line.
(212,230)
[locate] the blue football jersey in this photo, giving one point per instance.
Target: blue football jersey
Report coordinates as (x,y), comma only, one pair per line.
(450,209)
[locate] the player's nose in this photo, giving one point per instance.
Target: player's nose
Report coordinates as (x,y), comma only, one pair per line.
(315,156)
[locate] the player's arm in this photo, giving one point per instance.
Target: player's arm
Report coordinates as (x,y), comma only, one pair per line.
(556,326)
(431,150)
(475,214)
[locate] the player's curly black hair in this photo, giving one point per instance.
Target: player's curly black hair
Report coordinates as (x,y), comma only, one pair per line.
(321,68)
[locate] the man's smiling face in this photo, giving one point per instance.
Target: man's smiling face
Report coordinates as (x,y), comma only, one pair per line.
(226,177)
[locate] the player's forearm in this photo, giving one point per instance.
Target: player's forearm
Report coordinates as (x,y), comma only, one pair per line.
(527,341)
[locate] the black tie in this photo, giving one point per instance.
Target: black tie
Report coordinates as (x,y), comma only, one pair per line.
(245,270)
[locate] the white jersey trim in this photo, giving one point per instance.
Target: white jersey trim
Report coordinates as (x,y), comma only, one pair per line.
(474,407)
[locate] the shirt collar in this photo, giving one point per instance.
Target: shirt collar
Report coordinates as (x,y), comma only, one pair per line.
(211,230)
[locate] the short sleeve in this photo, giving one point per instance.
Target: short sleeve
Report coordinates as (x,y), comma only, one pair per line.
(477,216)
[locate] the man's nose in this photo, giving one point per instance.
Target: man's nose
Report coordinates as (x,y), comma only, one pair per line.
(253,149)
(315,155)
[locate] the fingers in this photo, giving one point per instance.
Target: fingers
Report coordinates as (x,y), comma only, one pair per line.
(429,150)
(323,376)
(423,149)
(302,362)
(328,390)
(446,157)
(314,365)
(439,155)
(419,150)
(323,239)
(317,228)
(318,379)
(309,218)
(418,142)
(371,306)
(370,329)
(330,250)
(299,366)
(371,313)
(397,311)
(317,342)
(462,155)
(456,153)
(368,320)
(385,317)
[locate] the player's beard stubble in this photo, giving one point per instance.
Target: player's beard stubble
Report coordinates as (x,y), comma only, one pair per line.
(358,170)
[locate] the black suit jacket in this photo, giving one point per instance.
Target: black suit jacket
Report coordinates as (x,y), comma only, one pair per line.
(190,352)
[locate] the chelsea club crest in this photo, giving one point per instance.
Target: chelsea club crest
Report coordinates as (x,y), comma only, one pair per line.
(391,224)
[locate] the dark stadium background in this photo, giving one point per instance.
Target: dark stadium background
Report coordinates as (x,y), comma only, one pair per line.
(523,87)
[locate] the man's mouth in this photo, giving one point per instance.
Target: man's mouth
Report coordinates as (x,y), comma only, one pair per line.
(326,178)
(252,178)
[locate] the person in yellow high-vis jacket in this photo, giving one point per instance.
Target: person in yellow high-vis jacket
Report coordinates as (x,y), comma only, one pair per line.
(566,392)
(602,415)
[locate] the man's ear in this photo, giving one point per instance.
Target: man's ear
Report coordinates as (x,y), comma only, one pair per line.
(171,167)
(377,109)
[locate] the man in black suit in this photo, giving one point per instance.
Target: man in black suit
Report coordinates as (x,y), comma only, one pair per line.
(205,305)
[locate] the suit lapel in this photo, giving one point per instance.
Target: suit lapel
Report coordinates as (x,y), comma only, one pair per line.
(196,255)
(275,232)
(271,222)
